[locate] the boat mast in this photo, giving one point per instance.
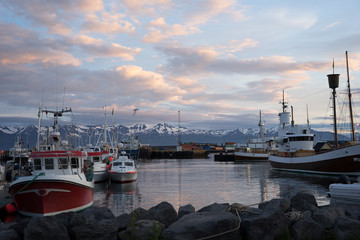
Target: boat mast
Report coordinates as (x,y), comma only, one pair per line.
(261,128)
(284,106)
(349,95)
(333,80)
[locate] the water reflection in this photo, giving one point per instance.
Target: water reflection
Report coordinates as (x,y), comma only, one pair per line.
(292,183)
(202,182)
(120,198)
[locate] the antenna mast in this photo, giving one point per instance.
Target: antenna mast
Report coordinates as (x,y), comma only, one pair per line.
(179,133)
(333,80)
(349,95)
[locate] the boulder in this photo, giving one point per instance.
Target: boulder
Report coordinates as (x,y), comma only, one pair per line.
(346,228)
(326,216)
(204,224)
(123,221)
(352,211)
(143,230)
(163,212)
(307,228)
(20,226)
(303,201)
(280,204)
(91,216)
(270,224)
(104,229)
(45,228)
(9,234)
(215,207)
(184,210)
(138,213)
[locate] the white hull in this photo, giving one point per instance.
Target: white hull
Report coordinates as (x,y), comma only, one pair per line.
(123,177)
(100,176)
(100,173)
(349,192)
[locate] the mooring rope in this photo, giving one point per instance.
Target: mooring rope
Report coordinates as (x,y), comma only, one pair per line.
(223,233)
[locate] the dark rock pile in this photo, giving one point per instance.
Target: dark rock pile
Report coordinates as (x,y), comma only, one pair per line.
(297,218)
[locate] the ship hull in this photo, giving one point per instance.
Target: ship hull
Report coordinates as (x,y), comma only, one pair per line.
(45,197)
(337,162)
(120,177)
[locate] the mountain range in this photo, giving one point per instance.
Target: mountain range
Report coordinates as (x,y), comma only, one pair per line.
(161,134)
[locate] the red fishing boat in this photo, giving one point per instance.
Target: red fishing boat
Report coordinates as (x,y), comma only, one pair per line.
(60,180)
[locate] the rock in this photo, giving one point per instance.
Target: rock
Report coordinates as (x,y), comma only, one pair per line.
(138,213)
(99,213)
(268,225)
(203,224)
(307,228)
(104,229)
(215,207)
(45,228)
(123,221)
(184,210)
(279,204)
(20,226)
(326,216)
(352,211)
(143,230)
(9,234)
(303,201)
(346,228)
(90,216)
(163,212)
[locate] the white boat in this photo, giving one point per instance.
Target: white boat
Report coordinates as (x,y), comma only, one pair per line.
(17,165)
(122,169)
(59,181)
(257,149)
(347,192)
(102,154)
(96,156)
(296,153)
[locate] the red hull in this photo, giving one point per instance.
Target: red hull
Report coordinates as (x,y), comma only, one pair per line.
(51,197)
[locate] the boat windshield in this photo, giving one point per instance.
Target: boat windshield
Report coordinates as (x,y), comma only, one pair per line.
(117,163)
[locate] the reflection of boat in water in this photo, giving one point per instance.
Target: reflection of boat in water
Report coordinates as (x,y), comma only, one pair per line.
(122,169)
(257,149)
(127,188)
(59,182)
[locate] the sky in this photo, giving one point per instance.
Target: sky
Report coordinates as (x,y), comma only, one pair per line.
(206,64)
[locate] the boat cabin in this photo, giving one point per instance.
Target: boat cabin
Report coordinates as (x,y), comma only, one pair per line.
(57,163)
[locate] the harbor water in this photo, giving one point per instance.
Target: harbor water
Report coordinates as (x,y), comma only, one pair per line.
(202,182)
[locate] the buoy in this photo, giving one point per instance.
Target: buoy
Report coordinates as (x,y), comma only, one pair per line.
(10,208)
(111,158)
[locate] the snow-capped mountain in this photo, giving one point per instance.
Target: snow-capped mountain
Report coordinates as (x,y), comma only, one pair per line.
(161,134)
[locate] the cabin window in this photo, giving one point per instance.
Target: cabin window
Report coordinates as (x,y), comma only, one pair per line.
(129,164)
(37,164)
(49,163)
(117,163)
(96,159)
(74,162)
(63,163)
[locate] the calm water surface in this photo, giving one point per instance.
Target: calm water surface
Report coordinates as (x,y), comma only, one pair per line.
(202,182)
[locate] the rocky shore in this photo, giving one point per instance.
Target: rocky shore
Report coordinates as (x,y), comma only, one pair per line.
(297,218)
